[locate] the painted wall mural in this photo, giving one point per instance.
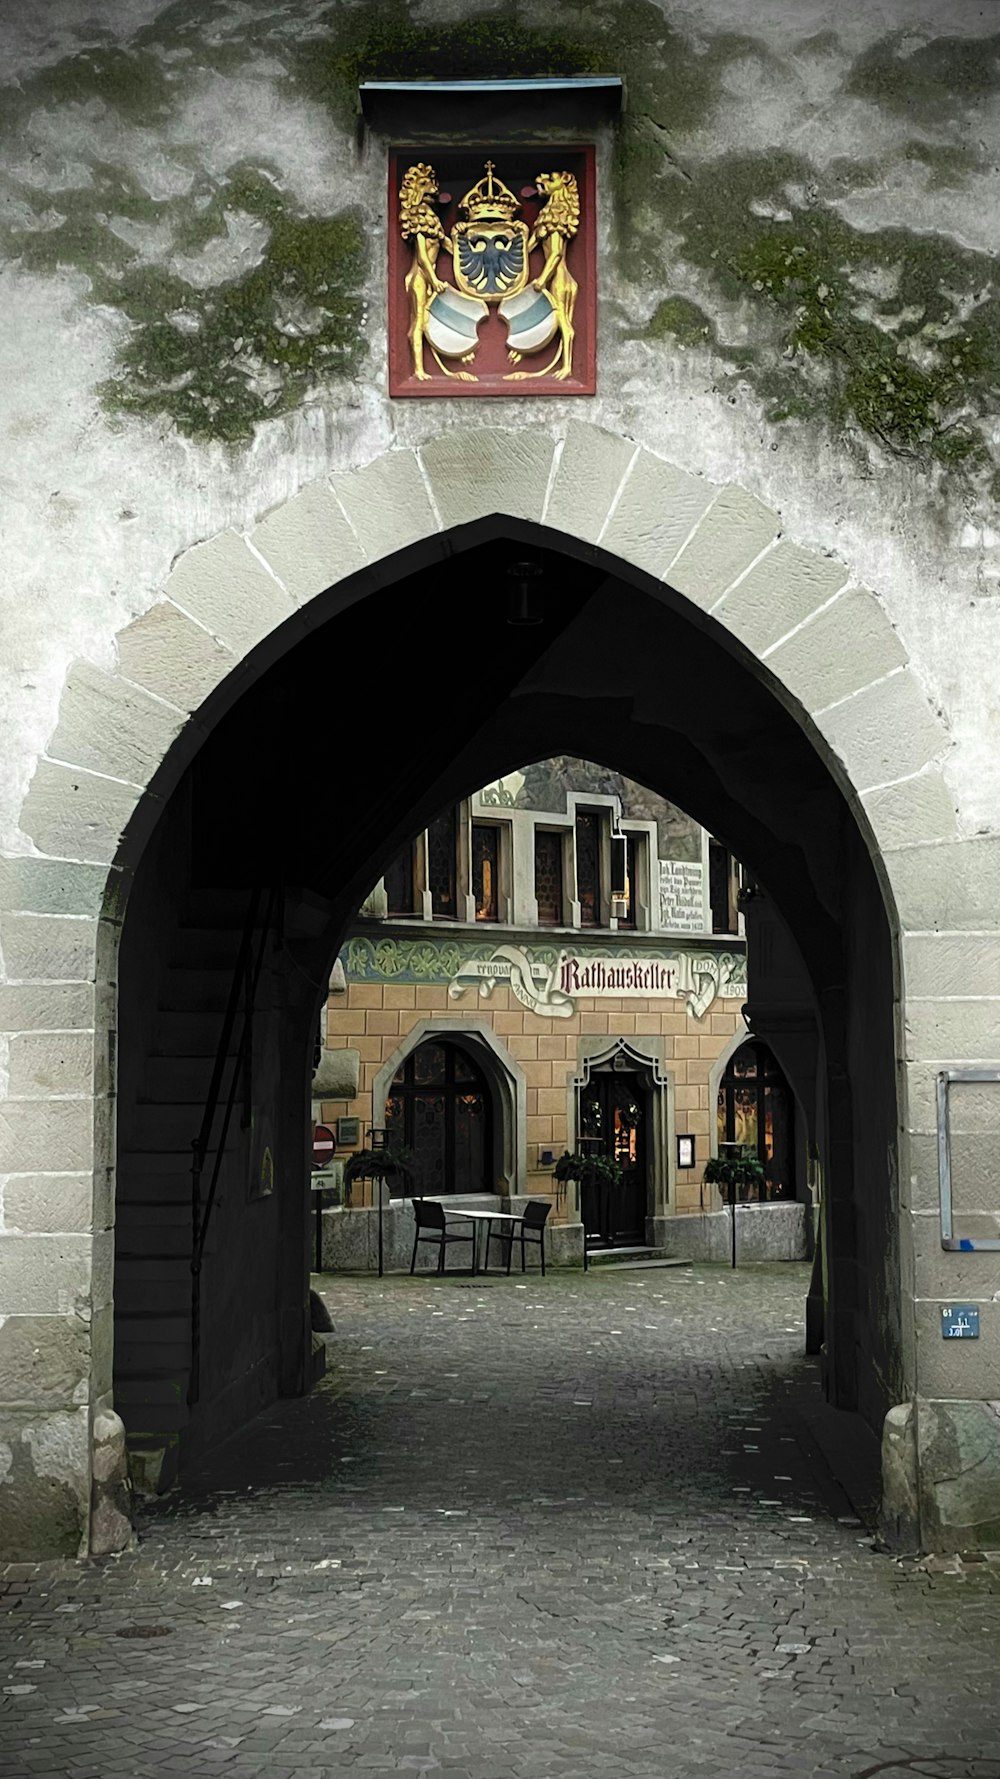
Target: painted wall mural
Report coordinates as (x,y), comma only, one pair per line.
(549,980)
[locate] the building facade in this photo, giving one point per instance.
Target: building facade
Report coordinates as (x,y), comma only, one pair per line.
(557,958)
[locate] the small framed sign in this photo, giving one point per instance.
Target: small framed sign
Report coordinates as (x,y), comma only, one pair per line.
(685,1152)
(960,1321)
(348,1132)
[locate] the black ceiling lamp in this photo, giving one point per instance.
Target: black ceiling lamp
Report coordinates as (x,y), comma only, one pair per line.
(524,603)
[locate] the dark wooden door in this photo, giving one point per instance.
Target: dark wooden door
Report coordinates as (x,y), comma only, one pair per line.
(614,1110)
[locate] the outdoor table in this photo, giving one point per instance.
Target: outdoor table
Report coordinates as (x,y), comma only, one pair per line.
(482,1217)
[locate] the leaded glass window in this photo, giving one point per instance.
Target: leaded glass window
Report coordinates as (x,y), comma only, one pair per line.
(588,868)
(755,1110)
(441,861)
(549,877)
(486,870)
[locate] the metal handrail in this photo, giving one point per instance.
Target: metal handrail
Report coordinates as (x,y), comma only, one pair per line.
(246,978)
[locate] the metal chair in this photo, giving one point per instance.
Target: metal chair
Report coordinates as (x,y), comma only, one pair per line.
(432,1227)
(532,1227)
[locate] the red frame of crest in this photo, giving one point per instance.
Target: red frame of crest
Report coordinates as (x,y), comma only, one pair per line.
(457,171)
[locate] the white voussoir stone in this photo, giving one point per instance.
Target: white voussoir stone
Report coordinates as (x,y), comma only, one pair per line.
(44,1275)
(920,1080)
(953,1032)
(33,1135)
(32,885)
(655,514)
(44,1063)
(475,474)
(102,1269)
(49,1204)
(112,727)
(952,963)
(38,947)
(47,1006)
(387,504)
(844,647)
(169,654)
(884,732)
(732,534)
(308,543)
(73,814)
(951,887)
(591,468)
(778,593)
(914,810)
(224,586)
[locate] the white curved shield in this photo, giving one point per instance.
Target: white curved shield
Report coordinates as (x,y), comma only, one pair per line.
(531,320)
(453,323)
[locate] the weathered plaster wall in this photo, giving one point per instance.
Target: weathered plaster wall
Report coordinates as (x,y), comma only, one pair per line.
(192,241)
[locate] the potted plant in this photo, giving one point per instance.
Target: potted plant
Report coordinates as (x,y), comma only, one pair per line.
(599,1176)
(390,1163)
(737,1176)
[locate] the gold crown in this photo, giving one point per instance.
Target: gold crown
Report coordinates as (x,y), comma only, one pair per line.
(489,200)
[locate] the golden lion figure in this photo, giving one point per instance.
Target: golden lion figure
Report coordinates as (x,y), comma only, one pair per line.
(556,224)
(419,223)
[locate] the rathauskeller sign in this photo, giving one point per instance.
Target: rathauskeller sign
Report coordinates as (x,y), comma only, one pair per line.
(552,991)
(549,981)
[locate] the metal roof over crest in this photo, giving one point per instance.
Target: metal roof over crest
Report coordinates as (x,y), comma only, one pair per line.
(575,100)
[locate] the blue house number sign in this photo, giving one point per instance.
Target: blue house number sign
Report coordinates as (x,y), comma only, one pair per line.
(960,1321)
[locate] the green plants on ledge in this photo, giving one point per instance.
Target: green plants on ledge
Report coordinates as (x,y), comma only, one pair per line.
(595,1170)
(378,1164)
(737,1177)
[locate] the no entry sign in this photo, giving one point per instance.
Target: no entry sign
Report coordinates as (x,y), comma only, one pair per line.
(324,1144)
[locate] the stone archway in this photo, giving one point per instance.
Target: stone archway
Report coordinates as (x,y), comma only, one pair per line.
(822,645)
(506,1079)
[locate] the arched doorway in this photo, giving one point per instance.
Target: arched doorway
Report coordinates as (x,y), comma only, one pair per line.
(615,1117)
(816,763)
(244,813)
(755,1114)
(440,1109)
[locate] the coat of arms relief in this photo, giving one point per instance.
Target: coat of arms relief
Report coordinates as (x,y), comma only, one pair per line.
(492,280)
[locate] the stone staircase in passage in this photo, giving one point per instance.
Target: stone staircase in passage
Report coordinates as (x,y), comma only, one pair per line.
(153,1206)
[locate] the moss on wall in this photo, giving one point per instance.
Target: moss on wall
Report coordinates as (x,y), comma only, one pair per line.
(677,318)
(214,357)
(219,359)
(134,84)
(889,336)
(381,41)
(930,80)
(889,333)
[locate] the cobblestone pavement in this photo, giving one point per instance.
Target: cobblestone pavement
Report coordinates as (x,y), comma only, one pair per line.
(571,1527)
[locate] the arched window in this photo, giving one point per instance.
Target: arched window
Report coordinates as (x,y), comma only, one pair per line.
(756,1110)
(439,1108)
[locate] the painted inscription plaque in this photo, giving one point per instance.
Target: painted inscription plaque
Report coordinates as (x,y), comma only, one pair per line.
(491,272)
